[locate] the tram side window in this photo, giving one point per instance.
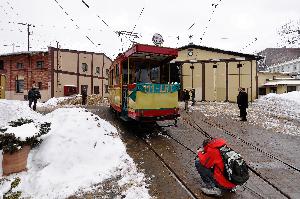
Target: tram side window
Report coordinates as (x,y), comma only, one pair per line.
(111,77)
(125,75)
(117,74)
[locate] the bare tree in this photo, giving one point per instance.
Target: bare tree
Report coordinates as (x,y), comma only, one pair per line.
(290,34)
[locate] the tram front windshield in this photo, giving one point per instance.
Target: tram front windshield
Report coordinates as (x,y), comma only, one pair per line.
(145,74)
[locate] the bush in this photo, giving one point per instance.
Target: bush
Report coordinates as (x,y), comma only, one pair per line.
(9,143)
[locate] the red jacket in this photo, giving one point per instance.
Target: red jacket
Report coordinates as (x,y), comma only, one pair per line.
(211,158)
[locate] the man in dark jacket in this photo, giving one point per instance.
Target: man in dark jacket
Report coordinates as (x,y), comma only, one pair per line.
(242,101)
(193,96)
(186,98)
(33,95)
(210,166)
(84,96)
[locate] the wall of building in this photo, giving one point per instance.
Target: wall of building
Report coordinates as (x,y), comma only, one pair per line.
(246,77)
(71,70)
(291,67)
(263,77)
(29,72)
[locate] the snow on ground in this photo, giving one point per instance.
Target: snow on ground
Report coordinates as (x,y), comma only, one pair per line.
(278,112)
(80,151)
(53,101)
(14,109)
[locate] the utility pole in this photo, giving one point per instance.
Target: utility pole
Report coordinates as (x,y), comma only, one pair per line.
(28,33)
(57,47)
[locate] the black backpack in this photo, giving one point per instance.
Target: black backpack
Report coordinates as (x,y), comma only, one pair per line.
(236,169)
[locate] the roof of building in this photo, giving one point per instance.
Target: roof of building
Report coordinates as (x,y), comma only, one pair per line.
(23,53)
(279,55)
(290,62)
(283,82)
(220,51)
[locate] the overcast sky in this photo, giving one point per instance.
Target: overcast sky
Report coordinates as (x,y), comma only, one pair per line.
(234,24)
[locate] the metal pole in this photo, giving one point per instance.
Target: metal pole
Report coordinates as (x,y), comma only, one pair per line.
(128,72)
(192,78)
(57,64)
(28,34)
(215,91)
(239,76)
(169,74)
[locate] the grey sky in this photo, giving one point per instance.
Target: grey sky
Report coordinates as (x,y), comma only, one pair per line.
(234,24)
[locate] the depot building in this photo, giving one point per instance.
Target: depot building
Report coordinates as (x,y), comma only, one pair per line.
(217,74)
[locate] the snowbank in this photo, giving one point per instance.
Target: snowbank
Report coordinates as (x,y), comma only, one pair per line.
(53,101)
(80,151)
(279,112)
(13,109)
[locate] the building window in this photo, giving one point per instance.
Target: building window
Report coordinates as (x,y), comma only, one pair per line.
(19,86)
(291,88)
(262,91)
(40,85)
(98,70)
(40,64)
(84,67)
(20,65)
(107,72)
(96,89)
(106,88)
(1,65)
(295,68)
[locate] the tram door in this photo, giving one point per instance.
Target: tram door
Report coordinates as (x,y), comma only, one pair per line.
(124,100)
(2,87)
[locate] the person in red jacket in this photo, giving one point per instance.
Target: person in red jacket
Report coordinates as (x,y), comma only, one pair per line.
(210,166)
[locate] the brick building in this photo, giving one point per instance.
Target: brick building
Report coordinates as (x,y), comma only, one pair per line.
(52,71)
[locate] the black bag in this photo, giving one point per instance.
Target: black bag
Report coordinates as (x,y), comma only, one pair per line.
(236,169)
(37,94)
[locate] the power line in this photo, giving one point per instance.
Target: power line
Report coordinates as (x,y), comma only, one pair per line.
(249,44)
(214,5)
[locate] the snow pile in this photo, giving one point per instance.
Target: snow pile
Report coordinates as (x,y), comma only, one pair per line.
(278,112)
(13,109)
(285,105)
(80,152)
(53,101)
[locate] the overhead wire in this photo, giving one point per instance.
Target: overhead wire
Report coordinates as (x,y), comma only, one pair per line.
(214,5)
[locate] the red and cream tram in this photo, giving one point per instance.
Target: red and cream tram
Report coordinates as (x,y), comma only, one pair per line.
(139,84)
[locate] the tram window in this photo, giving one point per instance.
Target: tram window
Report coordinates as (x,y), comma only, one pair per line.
(125,75)
(117,74)
(142,75)
(112,77)
(154,74)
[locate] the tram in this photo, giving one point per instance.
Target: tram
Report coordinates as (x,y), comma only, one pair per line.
(139,84)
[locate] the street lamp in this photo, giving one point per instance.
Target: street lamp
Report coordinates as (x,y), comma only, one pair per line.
(193,90)
(192,68)
(215,66)
(239,66)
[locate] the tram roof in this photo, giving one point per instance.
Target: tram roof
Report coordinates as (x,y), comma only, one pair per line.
(154,52)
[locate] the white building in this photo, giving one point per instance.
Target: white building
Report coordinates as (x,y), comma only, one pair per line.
(290,67)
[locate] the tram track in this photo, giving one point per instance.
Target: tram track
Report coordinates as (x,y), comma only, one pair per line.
(207,135)
(245,142)
(138,133)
